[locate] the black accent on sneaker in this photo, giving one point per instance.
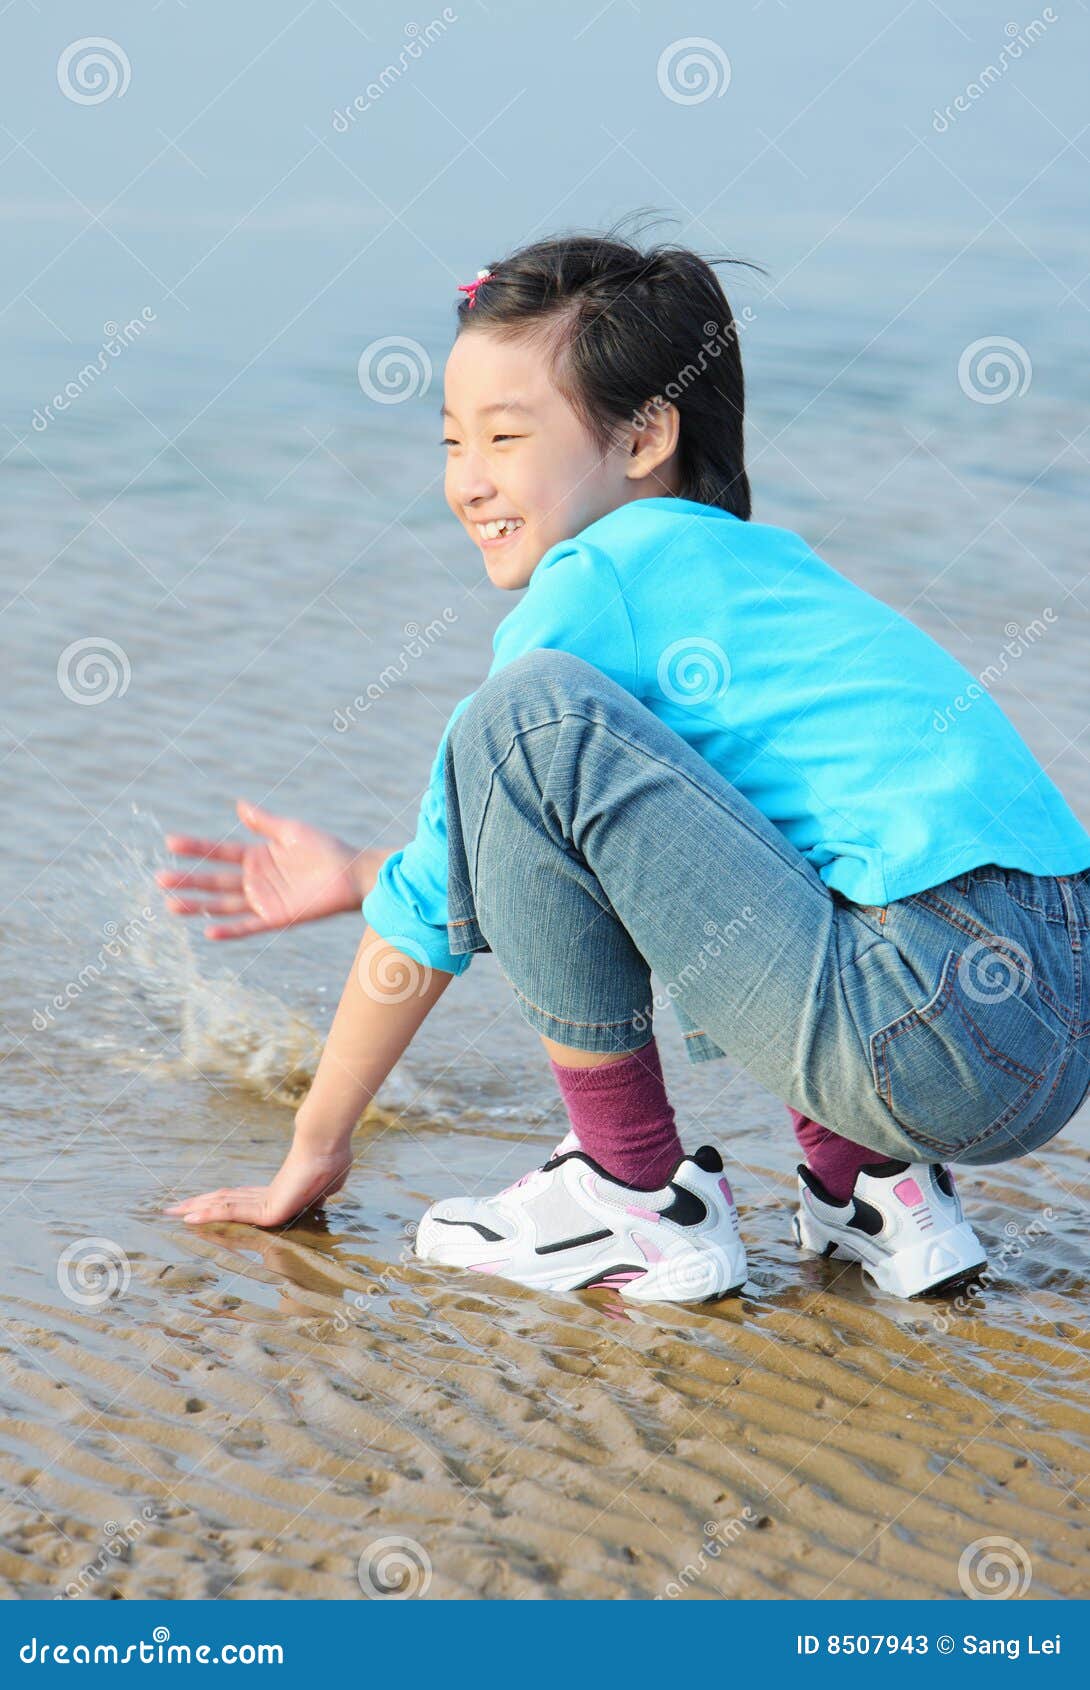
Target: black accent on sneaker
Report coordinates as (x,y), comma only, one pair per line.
(943,1179)
(558,1161)
(885,1170)
(866,1218)
(608,1272)
(478,1226)
(570,1243)
(687,1209)
(708,1158)
(820,1191)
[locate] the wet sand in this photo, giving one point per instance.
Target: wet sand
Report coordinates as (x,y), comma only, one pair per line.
(251,1413)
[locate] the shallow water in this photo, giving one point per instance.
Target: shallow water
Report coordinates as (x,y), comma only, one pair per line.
(238,1413)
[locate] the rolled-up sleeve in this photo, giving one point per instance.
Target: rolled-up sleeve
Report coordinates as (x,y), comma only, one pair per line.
(572,603)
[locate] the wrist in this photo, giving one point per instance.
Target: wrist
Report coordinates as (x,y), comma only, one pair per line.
(365,867)
(320,1136)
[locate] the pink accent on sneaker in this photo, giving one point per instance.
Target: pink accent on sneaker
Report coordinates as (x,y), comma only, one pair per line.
(724,1186)
(908,1192)
(612,1279)
(650,1252)
(642,1214)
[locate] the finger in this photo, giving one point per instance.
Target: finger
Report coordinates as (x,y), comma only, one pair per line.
(242,929)
(264,821)
(235,905)
(192,878)
(188,845)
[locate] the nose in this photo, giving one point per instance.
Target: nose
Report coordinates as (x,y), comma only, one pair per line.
(471,484)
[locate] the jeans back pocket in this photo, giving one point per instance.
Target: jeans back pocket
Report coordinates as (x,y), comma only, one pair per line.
(969,1061)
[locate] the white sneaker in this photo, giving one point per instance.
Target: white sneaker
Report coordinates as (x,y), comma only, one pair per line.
(570,1226)
(903,1223)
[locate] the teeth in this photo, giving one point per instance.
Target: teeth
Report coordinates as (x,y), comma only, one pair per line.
(493,530)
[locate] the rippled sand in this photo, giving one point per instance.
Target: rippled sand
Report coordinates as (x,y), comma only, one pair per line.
(255,1412)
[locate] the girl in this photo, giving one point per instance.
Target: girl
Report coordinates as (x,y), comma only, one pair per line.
(699,751)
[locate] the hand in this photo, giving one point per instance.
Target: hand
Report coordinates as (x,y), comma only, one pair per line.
(305,1178)
(300,874)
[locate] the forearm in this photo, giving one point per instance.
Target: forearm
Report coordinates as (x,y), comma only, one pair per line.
(386,998)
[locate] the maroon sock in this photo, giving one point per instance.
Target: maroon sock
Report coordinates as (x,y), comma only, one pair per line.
(623,1117)
(834,1160)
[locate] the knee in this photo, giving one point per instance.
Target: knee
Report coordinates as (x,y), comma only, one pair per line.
(521,688)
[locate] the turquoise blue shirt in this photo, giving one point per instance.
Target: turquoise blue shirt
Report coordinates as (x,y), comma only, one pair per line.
(877,754)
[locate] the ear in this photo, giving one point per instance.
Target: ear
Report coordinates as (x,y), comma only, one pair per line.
(653,438)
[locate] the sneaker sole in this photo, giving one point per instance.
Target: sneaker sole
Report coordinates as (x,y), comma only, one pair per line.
(704,1277)
(947,1259)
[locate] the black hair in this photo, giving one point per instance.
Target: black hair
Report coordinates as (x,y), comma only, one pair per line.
(631,327)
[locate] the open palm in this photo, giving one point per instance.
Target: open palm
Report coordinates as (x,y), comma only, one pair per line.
(298,873)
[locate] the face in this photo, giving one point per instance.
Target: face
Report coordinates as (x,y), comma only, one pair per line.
(516,449)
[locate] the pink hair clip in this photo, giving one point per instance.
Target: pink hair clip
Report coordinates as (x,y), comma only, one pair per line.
(471,287)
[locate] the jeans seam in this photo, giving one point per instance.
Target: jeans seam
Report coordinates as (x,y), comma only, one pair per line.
(565,1021)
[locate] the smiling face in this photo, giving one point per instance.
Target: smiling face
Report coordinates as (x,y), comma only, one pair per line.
(517,449)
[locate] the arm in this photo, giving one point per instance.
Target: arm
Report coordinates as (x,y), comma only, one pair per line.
(386,999)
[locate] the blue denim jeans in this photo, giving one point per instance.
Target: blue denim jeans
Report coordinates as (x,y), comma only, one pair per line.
(589,845)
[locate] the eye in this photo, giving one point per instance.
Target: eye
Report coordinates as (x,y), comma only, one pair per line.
(508,437)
